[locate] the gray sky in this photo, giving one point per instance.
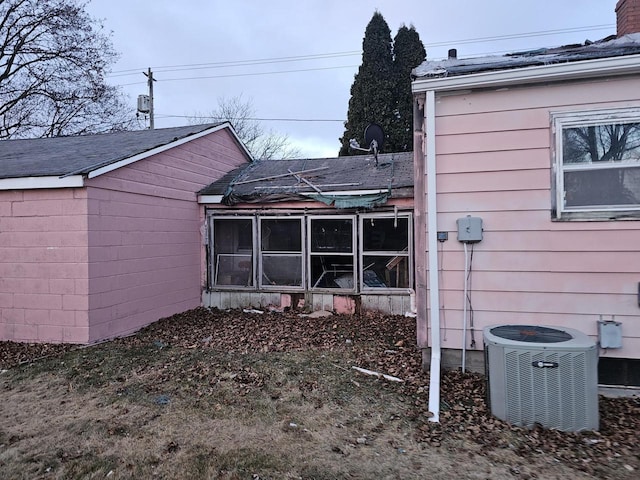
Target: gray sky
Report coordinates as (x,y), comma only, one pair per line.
(300,57)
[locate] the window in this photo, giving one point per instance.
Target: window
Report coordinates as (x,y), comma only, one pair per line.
(325,253)
(597,163)
(385,252)
(281,256)
(331,252)
(232,259)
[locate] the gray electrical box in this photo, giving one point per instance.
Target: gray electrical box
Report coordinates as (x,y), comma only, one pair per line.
(469,229)
(609,334)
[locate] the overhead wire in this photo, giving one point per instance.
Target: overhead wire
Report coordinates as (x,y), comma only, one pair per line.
(331,55)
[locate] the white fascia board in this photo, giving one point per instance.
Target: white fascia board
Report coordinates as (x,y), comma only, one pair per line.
(163,148)
(29,183)
(209,198)
(349,193)
(600,67)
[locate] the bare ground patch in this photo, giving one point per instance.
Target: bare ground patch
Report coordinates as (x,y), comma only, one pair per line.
(230,395)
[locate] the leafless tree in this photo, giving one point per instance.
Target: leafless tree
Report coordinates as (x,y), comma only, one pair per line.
(53,62)
(263,144)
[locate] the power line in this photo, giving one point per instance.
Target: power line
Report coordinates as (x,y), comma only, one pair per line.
(323,56)
(206,117)
(251,74)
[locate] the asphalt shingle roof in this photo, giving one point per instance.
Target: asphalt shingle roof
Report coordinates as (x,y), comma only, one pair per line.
(271,180)
(61,156)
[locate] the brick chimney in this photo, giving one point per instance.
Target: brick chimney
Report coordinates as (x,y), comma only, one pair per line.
(628,17)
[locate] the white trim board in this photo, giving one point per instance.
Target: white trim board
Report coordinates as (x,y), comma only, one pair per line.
(28,183)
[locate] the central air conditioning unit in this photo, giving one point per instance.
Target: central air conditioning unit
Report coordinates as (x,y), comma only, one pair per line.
(542,375)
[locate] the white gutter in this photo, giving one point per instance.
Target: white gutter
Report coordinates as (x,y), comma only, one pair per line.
(540,73)
(432,227)
(209,198)
(27,183)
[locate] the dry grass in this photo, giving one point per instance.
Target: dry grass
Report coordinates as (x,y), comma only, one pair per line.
(159,405)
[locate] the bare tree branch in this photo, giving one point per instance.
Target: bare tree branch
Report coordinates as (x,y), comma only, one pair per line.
(53,61)
(241,114)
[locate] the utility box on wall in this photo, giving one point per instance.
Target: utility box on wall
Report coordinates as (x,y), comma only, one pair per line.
(469,229)
(609,334)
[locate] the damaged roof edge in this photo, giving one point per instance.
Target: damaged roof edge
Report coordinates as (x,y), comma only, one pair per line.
(600,67)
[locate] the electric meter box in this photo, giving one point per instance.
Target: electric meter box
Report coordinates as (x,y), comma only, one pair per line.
(469,229)
(144,103)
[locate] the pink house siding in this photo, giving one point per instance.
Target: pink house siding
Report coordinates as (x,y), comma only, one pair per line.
(145,242)
(79,265)
(43,266)
(494,157)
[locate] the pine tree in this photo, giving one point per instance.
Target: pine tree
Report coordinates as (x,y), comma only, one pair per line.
(381,90)
(372,89)
(408,53)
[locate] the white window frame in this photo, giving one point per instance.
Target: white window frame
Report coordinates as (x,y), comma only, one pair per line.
(354,250)
(562,120)
(361,253)
(260,252)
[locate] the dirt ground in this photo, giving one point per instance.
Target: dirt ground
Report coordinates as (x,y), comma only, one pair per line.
(235,395)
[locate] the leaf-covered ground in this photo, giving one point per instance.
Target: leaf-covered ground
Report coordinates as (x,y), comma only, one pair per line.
(289,377)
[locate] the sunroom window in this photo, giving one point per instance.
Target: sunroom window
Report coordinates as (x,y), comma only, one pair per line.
(232,260)
(332,253)
(598,163)
(385,252)
(281,256)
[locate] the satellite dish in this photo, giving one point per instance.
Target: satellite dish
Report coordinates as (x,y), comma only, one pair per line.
(374,133)
(373,138)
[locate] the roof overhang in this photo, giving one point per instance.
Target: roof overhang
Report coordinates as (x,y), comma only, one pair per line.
(27,183)
(162,148)
(583,69)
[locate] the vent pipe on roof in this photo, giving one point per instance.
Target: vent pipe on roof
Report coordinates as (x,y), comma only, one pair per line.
(453,54)
(627,17)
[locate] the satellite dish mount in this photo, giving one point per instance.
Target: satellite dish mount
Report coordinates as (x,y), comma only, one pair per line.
(373,137)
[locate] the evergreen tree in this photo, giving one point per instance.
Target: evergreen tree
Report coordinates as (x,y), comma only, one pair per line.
(381,90)
(408,53)
(372,89)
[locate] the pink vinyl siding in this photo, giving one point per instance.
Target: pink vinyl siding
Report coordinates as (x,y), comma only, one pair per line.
(494,160)
(145,253)
(43,266)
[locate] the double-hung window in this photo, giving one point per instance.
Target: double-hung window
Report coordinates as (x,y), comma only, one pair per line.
(597,163)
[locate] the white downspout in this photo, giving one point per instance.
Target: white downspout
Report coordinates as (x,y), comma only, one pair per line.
(432,245)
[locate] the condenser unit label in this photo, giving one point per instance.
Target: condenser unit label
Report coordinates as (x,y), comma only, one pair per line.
(541,364)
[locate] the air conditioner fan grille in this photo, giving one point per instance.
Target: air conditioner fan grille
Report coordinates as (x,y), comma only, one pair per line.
(530,334)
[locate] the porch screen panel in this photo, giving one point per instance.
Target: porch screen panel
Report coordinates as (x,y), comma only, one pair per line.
(332,255)
(281,255)
(385,252)
(232,259)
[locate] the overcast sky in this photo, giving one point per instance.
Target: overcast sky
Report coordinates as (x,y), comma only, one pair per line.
(300,56)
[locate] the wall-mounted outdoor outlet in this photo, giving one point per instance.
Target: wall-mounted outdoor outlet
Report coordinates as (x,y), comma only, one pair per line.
(443,236)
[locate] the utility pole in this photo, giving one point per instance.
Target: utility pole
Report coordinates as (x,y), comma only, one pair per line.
(150,80)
